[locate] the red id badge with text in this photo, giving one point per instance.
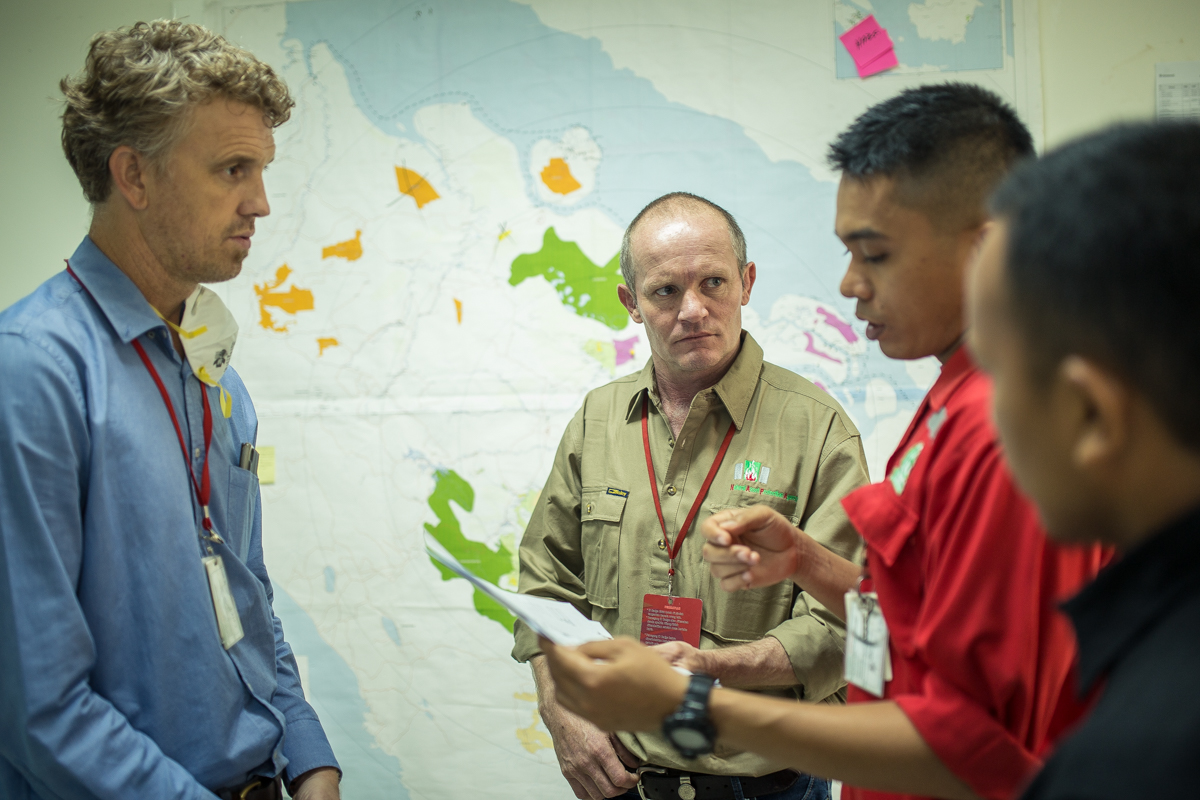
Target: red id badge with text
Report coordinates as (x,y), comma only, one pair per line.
(671,619)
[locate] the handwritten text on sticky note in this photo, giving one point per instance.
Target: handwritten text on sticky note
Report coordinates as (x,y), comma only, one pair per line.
(870,47)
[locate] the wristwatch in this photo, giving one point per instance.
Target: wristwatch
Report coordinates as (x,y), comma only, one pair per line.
(689,729)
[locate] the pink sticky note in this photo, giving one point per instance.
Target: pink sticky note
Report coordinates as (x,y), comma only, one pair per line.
(885,60)
(869,46)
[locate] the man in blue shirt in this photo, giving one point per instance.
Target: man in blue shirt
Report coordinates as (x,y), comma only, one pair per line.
(139,654)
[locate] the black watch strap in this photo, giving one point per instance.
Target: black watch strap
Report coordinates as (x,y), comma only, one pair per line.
(689,729)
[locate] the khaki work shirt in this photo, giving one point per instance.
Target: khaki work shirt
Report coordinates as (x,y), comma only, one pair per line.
(595,540)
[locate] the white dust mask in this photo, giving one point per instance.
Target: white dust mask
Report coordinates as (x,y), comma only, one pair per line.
(208,332)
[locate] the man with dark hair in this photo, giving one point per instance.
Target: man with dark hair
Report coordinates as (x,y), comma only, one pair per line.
(959,662)
(1079,304)
(647,459)
(139,653)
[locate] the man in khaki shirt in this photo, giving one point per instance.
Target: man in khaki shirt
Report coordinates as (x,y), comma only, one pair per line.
(596,540)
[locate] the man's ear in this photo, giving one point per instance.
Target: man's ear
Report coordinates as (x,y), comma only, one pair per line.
(630,302)
(128,169)
(748,276)
(1103,412)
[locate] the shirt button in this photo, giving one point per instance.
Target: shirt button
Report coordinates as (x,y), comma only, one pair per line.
(671,443)
(196,452)
(662,545)
(150,334)
(671,490)
(589,508)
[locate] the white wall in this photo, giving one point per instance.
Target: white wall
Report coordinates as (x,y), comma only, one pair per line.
(1098,61)
(42,211)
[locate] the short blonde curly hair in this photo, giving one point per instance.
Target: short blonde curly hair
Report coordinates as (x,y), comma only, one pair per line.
(138,84)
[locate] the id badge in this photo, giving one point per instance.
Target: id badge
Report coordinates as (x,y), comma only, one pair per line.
(868,664)
(229,624)
(671,619)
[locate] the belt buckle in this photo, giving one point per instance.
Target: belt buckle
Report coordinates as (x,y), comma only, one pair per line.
(642,770)
(250,787)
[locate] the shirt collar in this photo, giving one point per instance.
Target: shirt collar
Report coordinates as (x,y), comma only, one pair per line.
(1115,610)
(736,388)
(119,298)
(954,372)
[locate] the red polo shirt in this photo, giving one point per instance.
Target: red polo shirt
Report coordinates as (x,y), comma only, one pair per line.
(982,660)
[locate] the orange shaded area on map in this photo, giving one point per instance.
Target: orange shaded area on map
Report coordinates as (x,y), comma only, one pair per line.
(351,249)
(324,343)
(458,309)
(293,301)
(558,178)
(415,186)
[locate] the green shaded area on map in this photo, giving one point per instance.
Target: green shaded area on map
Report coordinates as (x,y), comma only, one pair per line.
(491,565)
(589,289)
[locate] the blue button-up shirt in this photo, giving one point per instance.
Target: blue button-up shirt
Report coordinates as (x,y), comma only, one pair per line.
(113,679)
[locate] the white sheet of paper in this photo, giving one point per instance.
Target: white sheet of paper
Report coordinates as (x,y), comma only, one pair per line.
(1177,90)
(557,620)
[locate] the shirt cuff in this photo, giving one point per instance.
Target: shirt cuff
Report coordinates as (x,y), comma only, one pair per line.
(526,646)
(306,747)
(968,740)
(816,653)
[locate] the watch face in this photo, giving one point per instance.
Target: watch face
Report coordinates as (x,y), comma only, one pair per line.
(689,739)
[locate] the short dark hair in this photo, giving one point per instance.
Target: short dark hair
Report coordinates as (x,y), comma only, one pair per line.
(673,202)
(946,146)
(1103,261)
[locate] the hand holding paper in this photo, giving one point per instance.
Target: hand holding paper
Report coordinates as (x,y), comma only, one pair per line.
(558,621)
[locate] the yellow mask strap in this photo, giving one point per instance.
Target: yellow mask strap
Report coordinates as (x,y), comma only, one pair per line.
(179,330)
(226,397)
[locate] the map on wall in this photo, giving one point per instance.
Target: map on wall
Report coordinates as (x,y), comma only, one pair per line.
(933,35)
(435,291)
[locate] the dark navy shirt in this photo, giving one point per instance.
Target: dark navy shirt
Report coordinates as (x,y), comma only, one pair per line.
(1138,625)
(113,679)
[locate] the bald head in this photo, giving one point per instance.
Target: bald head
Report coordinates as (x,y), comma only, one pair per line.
(677,206)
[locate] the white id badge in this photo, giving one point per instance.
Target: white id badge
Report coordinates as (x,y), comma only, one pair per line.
(229,624)
(868,665)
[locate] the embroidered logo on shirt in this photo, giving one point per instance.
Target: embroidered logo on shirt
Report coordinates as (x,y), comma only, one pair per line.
(899,476)
(618,492)
(741,487)
(751,472)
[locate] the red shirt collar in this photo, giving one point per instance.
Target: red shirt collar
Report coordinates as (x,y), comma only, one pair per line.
(960,367)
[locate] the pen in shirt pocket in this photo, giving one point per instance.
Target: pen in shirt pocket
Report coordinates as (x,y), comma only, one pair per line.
(249,458)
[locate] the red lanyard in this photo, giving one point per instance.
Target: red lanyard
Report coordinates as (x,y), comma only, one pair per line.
(673,547)
(202,487)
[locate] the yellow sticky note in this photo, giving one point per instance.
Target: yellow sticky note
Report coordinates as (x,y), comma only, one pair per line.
(266,466)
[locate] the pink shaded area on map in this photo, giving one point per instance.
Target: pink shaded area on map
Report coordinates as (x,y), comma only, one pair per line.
(841,325)
(812,349)
(624,349)
(870,46)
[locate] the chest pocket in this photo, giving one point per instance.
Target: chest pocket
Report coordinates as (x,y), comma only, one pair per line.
(600,516)
(239,515)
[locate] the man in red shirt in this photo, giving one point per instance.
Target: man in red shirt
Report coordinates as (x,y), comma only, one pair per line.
(979,658)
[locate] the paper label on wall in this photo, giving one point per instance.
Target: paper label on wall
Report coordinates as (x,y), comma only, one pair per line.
(1177,90)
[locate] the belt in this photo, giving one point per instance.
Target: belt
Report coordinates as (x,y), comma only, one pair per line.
(254,789)
(672,784)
